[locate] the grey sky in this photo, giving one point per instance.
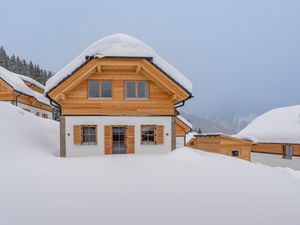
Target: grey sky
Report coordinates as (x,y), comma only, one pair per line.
(240,55)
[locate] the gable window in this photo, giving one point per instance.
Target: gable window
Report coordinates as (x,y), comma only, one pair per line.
(148,134)
(235,153)
(89,134)
(99,89)
(136,89)
(288,151)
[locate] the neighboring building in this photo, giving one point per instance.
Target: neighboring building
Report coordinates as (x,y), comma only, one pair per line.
(13,89)
(276,137)
(223,144)
(182,128)
(118,96)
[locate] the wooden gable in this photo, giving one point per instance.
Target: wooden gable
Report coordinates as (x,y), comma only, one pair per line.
(181,128)
(72,94)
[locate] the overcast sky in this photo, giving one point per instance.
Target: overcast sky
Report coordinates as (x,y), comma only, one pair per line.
(242,56)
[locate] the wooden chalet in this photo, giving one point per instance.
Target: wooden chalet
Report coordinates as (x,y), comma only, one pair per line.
(118,97)
(14,90)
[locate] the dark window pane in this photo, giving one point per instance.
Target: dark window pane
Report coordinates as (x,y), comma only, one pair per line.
(130,89)
(106,89)
(93,88)
(142,89)
(148,134)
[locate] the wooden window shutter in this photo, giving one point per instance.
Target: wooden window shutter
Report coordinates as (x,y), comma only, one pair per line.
(159,134)
(130,139)
(107,140)
(77,133)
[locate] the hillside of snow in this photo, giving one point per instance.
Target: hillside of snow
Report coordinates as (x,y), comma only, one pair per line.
(184,187)
(281,125)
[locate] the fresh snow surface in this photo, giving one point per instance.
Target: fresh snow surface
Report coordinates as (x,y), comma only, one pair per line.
(120,45)
(281,125)
(18,84)
(184,187)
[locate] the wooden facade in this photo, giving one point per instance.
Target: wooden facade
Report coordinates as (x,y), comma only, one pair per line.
(34,87)
(275,148)
(223,144)
(182,129)
(72,94)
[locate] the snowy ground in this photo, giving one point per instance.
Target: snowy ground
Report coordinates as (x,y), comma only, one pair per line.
(183,187)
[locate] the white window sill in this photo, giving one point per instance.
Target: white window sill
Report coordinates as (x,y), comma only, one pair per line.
(136,99)
(100,98)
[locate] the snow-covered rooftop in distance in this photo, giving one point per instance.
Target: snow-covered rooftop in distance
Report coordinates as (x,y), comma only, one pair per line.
(281,125)
(18,84)
(119,45)
(32,81)
(185,121)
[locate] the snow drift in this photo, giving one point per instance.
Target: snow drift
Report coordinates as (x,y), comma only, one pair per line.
(281,125)
(183,187)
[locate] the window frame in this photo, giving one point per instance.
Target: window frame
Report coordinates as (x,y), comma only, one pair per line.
(99,90)
(288,149)
(154,135)
(136,82)
(82,134)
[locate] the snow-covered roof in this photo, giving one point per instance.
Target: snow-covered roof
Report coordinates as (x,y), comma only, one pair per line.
(119,45)
(18,84)
(185,121)
(32,81)
(281,125)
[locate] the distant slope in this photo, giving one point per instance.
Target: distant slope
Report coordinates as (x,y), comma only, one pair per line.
(219,122)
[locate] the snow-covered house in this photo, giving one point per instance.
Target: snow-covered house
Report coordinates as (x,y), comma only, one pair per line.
(276,137)
(118,96)
(23,92)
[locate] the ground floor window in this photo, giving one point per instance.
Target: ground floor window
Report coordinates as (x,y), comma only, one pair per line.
(44,115)
(89,134)
(288,151)
(148,134)
(235,153)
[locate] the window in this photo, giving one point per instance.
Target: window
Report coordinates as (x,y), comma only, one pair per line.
(89,134)
(106,89)
(28,110)
(37,114)
(44,115)
(136,89)
(148,134)
(93,89)
(99,89)
(288,151)
(235,153)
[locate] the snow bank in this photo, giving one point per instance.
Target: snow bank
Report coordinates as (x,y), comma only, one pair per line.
(184,187)
(120,45)
(281,125)
(16,82)
(30,80)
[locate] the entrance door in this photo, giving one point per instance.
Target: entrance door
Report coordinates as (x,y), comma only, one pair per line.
(119,145)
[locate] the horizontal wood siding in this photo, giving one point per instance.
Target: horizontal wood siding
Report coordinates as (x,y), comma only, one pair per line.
(274,149)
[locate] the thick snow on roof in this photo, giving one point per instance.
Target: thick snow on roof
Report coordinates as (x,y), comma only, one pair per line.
(119,45)
(32,81)
(281,125)
(18,84)
(185,121)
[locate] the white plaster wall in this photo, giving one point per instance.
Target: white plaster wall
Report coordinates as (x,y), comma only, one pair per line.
(35,110)
(179,142)
(276,160)
(101,121)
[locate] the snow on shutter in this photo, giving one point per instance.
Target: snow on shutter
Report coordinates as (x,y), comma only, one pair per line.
(77,133)
(108,140)
(130,139)
(159,134)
